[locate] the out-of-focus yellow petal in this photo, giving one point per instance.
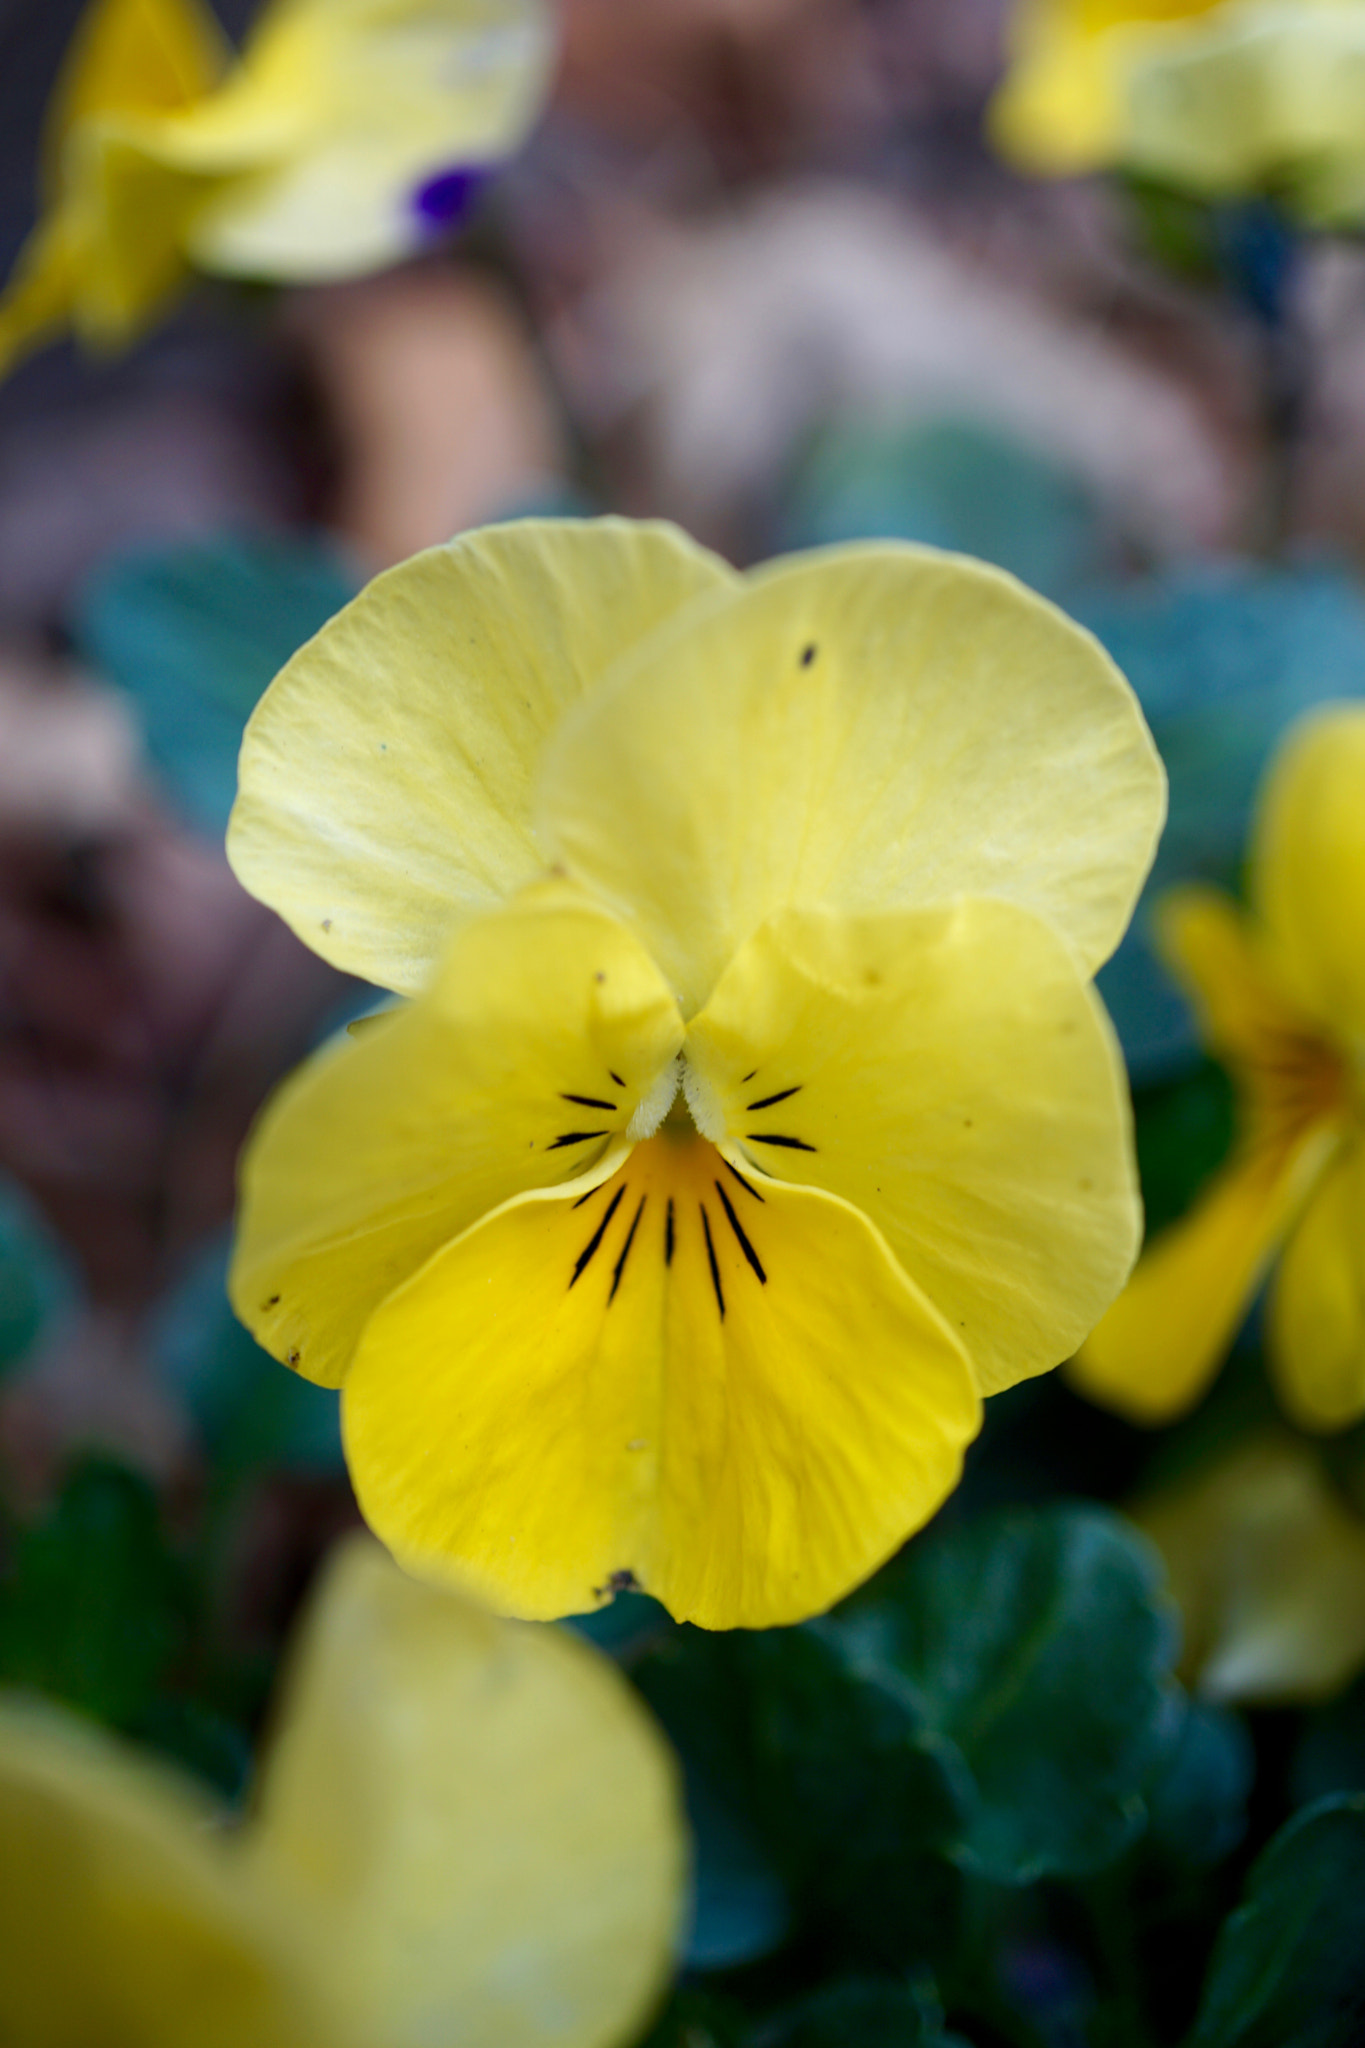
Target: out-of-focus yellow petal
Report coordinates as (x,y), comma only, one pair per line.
(520,1067)
(342,112)
(1219,959)
(479,1816)
(1161,1343)
(385,783)
(723,1390)
(1308,864)
(1316,1333)
(39,298)
(1063,105)
(131,57)
(129,213)
(1265,92)
(870,727)
(122,1919)
(951,1074)
(1268,1567)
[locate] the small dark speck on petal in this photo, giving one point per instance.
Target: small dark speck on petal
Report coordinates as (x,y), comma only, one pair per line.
(383,746)
(292,1357)
(1087,1186)
(273,1302)
(808,654)
(599,976)
(967,1124)
(326,924)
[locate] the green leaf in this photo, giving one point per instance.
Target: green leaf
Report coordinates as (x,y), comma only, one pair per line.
(694,2019)
(1039,1646)
(1184,1130)
(1196,1804)
(1288,1968)
(194,633)
(34,1281)
(861,2012)
(94,1610)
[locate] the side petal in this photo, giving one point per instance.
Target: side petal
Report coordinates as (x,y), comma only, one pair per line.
(1208,942)
(951,1074)
(1308,864)
(385,781)
(1161,1343)
(40,296)
(1059,110)
(119,1913)
(1268,1567)
(522,1066)
(343,114)
(479,1815)
(1316,1335)
(132,57)
(869,727)
(730,1397)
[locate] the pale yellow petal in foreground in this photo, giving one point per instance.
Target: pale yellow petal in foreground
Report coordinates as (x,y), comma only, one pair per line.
(871,727)
(385,781)
(1268,1567)
(122,1919)
(1160,1345)
(951,1074)
(727,1393)
(520,1067)
(1308,864)
(479,1816)
(1316,1333)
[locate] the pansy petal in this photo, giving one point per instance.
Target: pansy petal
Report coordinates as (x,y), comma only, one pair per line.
(362,103)
(1316,1336)
(120,1917)
(1219,958)
(1268,1566)
(385,782)
(1165,1337)
(1308,863)
(132,57)
(41,293)
(871,727)
(729,1396)
(951,1074)
(521,1066)
(479,1815)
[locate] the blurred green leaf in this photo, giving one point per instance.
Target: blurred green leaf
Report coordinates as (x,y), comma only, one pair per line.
(1330,1756)
(739,1905)
(194,633)
(1223,659)
(34,1280)
(950,483)
(93,1609)
(1196,1803)
(695,2019)
(858,2013)
(1288,1969)
(1184,1130)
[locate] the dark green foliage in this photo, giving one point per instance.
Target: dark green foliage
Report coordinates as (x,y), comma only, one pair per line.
(1288,1970)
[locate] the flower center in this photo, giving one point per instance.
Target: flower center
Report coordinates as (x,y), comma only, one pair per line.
(676,1199)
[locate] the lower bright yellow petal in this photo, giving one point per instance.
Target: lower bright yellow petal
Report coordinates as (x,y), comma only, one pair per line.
(520,1067)
(1162,1342)
(722,1390)
(478,1815)
(120,1918)
(1317,1306)
(952,1074)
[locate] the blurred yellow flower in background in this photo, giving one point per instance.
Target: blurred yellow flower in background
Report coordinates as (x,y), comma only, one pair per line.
(345,134)
(754,1115)
(467,1831)
(1222,97)
(1267,1566)
(1280,992)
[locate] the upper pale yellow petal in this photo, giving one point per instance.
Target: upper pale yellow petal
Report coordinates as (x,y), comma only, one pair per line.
(479,1816)
(950,1073)
(121,1918)
(1218,956)
(133,57)
(1316,1329)
(722,1389)
(1161,1343)
(339,112)
(1308,865)
(1268,1567)
(386,775)
(546,1023)
(865,728)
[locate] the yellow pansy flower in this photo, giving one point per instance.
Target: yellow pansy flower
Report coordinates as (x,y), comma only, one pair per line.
(1280,992)
(754,1115)
(343,135)
(1223,97)
(467,1831)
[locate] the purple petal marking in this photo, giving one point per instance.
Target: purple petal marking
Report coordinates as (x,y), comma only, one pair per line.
(447,197)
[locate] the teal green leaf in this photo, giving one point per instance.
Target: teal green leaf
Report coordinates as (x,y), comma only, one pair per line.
(1037,1648)
(1288,1968)
(34,1279)
(860,2012)
(1196,1803)
(194,633)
